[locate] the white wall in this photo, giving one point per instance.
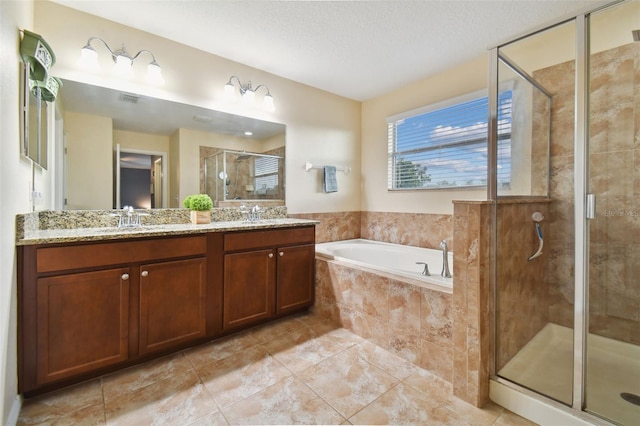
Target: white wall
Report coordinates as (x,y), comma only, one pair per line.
(464,79)
(15,177)
(90,161)
(321,127)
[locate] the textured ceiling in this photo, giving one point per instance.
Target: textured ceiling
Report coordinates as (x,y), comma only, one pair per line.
(357,49)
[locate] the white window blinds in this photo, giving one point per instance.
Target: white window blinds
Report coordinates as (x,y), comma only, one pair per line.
(445,146)
(266,174)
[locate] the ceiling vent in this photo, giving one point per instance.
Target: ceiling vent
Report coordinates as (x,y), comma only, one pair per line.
(129,98)
(201,118)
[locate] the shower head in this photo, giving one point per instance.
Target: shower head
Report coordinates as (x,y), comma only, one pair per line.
(537,217)
(636,35)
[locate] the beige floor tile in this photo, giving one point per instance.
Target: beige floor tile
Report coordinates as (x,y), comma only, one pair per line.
(142,375)
(297,356)
(179,399)
(458,412)
(241,375)
(347,382)
(285,327)
(85,416)
(287,402)
(57,405)
(301,370)
(221,348)
(400,405)
(213,419)
(436,388)
(392,364)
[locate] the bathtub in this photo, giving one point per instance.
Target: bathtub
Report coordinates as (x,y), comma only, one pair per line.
(393,260)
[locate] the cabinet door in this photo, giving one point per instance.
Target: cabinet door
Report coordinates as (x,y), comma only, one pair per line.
(249,287)
(295,278)
(172,303)
(82,322)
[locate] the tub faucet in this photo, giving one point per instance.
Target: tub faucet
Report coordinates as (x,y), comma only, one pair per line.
(445,260)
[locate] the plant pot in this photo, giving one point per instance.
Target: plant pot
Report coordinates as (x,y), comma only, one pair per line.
(200,217)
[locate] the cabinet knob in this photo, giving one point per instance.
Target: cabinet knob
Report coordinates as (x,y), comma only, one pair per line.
(125,277)
(270,255)
(281,253)
(144,273)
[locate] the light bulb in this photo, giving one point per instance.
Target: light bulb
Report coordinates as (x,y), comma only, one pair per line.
(154,73)
(229,90)
(249,96)
(123,65)
(89,58)
(267,102)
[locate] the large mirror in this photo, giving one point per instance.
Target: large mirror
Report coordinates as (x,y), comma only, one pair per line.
(127,149)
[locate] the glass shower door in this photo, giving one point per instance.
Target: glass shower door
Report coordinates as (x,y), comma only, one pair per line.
(535,208)
(613,343)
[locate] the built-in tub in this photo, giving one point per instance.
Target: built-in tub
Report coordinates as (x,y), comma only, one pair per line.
(394,260)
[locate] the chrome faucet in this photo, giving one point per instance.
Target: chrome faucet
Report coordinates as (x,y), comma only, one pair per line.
(131,221)
(445,260)
(251,215)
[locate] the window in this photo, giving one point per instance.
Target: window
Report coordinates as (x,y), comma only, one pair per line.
(445,145)
(266,175)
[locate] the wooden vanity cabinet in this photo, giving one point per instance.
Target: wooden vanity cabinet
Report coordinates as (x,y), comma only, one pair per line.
(86,307)
(172,303)
(267,274)
(82,323)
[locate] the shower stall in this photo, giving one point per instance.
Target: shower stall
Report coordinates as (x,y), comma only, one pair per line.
(564,146)
(234,176)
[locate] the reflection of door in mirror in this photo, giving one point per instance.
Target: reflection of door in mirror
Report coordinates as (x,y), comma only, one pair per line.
(139,179)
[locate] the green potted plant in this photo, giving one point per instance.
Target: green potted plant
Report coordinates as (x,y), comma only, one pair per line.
(200,206)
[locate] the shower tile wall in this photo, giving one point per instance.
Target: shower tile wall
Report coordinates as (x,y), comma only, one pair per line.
(521,286)
(614,292)
(471,301)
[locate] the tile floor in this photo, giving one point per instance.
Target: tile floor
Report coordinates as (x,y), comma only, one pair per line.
(300,370)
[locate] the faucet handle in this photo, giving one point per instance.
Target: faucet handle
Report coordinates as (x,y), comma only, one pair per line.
(425,271)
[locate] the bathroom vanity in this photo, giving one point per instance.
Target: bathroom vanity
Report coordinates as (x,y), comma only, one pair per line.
(94,301)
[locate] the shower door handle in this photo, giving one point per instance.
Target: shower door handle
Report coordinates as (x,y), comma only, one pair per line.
(591,206)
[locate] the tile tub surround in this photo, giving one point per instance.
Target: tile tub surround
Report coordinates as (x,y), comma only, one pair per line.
(301,370)
(413,229)
(410,321)
(334,226)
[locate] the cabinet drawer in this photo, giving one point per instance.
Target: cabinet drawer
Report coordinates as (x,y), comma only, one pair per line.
(51,259)
(235,241)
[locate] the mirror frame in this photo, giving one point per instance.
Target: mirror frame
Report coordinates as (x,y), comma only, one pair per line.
(27,132)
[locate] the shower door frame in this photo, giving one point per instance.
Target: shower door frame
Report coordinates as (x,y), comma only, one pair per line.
(581,210)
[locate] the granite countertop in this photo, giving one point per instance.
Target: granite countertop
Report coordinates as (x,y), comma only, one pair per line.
(53,236)
(52,227)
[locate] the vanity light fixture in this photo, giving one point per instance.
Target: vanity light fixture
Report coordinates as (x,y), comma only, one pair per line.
(123,60)
(248,92)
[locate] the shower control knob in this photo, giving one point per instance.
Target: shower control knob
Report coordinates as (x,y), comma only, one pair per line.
(537,217)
